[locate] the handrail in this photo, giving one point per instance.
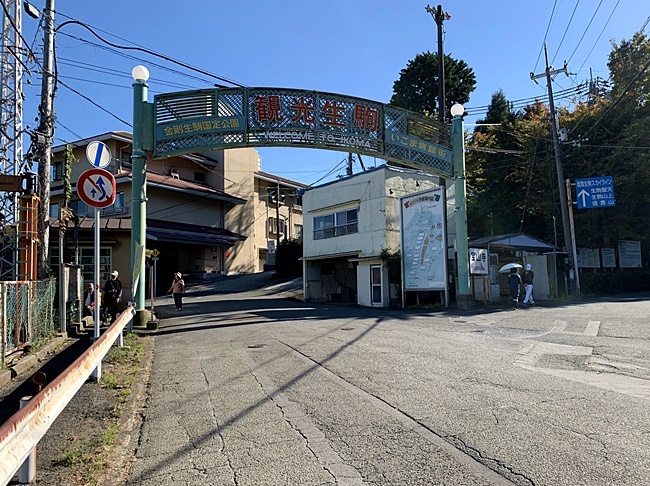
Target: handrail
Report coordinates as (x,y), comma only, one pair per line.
(22,432)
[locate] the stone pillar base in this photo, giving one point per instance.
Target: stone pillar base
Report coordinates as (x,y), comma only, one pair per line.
(464,301)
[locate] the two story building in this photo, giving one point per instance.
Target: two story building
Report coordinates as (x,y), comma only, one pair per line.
(347,224)
(207,213)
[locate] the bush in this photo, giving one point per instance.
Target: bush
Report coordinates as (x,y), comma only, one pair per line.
(614,282)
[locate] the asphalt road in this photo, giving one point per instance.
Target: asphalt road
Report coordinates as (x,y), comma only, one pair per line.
(250,388)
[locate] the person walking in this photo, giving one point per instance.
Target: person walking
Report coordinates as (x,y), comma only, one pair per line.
(112,295)
(178,289)
(527,278)
(514,283)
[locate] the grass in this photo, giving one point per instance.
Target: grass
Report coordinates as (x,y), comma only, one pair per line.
(90,458)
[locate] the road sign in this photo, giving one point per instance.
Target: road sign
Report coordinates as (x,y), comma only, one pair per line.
(98,154)
(96,187)
(595,192)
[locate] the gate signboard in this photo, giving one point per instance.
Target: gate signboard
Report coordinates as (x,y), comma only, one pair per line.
(263,117)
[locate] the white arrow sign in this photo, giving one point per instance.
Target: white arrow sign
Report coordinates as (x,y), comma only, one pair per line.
(584,195)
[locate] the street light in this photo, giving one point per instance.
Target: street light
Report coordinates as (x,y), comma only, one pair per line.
(464,298)
(139,193)
(140,74)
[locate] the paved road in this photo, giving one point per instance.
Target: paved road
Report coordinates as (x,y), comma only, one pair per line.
(250,388)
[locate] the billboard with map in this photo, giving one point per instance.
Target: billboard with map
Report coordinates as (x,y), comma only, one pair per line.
(423,240)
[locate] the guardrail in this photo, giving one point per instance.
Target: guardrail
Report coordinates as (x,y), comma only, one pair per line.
(22,432)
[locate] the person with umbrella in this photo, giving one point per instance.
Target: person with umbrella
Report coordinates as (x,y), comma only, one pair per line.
(514,284)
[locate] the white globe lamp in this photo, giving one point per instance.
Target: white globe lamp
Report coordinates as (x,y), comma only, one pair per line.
(140,74)
(457,110)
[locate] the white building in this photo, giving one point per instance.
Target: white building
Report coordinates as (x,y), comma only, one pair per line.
(347,224)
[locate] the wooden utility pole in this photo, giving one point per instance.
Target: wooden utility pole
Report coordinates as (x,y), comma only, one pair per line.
(46,130)
(566,226)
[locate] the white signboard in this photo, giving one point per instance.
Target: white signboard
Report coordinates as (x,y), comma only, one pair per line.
(478,261)
(423,237)
(588,257)
(609,257)
(629,254)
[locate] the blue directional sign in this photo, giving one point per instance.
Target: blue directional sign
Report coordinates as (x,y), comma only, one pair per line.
(595,192)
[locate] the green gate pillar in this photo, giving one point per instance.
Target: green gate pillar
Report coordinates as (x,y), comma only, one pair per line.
(464,299)
(139,190)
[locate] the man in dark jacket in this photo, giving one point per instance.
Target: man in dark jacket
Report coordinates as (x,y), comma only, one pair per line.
(514,283)
(112,295)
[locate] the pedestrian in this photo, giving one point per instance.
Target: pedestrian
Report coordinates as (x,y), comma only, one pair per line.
(527,278)
(89,300)
(514,283)
(112,295)
(178,289)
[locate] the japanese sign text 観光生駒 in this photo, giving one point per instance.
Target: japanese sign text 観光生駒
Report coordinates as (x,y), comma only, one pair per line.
(286,117)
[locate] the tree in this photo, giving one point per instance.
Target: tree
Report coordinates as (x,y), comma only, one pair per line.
(417,86)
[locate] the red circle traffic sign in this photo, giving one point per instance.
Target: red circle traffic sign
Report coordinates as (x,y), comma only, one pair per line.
(96,187)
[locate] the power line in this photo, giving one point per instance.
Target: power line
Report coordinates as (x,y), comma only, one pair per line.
(585,32)
(541,49)
(150,52)
(599,35)
(95,103)
(565,31)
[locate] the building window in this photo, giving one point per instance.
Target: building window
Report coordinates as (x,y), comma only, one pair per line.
(336,224)
(199,177)
(297,231)
(56,171)
(54,210)
(80,208)
(87,255)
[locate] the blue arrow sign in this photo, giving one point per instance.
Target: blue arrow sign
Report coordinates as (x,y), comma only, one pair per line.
(595,192)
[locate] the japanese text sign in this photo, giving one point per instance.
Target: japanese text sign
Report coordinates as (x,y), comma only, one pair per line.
(595,192)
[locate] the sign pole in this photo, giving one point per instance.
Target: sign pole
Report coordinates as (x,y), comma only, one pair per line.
(97,372)
(573,235)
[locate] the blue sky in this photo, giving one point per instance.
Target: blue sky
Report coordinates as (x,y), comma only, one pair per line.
(352,47)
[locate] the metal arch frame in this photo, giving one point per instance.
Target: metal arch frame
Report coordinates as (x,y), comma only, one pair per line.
(192,121)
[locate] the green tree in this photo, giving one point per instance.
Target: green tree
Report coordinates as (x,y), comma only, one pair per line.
(417,86)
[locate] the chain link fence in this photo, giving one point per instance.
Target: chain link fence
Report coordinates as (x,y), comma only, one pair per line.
(27,314)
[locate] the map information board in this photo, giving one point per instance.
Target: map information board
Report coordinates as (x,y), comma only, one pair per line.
(423,237)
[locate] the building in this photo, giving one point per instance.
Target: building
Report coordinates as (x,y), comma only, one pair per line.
(347,225)
(208,213)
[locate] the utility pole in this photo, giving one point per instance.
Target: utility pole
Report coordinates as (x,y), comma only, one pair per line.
(440,16)
(46,130)
(566,227)
(349,168)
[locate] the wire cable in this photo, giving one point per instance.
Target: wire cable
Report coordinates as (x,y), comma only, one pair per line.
(541,49)
(565,31)
(599,35)
(150,52)
(585,32)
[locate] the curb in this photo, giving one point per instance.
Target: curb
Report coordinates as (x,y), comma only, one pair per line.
(29,361)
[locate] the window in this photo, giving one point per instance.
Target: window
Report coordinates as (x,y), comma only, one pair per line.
(54,210)
(297,231)
(80,208)
(56,171)
(337,224)
(199,176)
(375,284)
(87,255)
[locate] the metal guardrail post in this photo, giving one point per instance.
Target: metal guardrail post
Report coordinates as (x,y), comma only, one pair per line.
(27,471)
(22,432)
